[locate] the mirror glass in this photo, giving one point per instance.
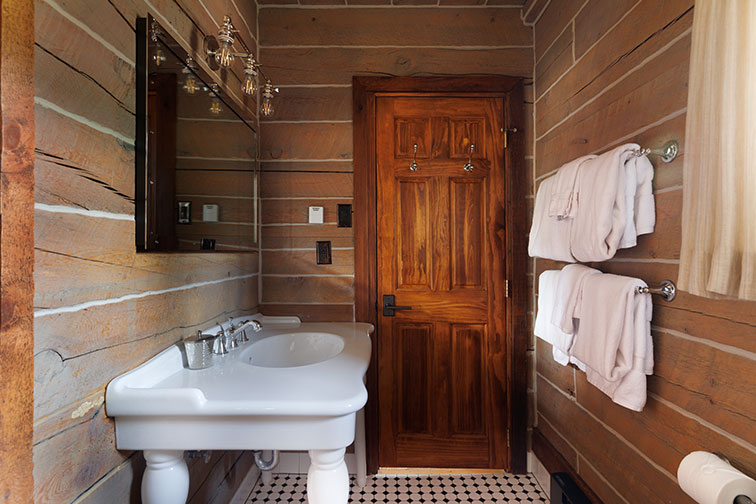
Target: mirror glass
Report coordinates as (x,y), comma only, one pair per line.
(197,170)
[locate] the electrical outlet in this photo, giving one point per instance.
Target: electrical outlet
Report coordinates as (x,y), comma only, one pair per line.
(345,216)
(324,252)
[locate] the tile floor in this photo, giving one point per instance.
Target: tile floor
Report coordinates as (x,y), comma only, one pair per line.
(467,489)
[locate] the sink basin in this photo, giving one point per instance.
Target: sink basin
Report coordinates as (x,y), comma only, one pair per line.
(293,350)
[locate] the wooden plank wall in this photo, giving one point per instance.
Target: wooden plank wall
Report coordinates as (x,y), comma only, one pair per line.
(17,251)
(607,73)
(311,53)
(100,308)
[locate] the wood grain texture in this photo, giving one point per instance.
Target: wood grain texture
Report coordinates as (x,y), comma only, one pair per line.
(338,65)
(619,90)
(301,289)
(84,83)
(16,253)
(414,27)
(311,312)
(281,141)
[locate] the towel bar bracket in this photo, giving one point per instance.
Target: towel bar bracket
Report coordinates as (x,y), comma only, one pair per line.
(667,153)
(666,290)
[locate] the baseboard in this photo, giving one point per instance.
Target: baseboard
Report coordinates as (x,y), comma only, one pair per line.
(553,461)
(433,471)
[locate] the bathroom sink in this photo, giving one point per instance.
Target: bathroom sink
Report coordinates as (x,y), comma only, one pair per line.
(293,350)
(292,386)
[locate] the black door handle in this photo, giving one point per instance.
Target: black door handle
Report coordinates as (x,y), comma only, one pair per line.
(389,307)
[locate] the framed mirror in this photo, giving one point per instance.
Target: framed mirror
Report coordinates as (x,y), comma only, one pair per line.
(196,156)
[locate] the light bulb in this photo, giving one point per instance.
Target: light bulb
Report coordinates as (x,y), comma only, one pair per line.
(250,82)
(225,53)
(250,86)
(266,107)
(215,106)
(191,85)
(158,56)
(224,56)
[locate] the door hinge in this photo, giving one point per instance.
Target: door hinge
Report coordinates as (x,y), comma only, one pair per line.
(506,132)
(506,288)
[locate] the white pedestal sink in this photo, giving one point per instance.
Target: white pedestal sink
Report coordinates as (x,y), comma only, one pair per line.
(293,386)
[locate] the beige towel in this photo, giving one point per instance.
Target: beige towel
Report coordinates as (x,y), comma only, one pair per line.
(614,337)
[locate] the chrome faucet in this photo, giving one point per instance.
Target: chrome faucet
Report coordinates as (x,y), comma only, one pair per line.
(219,343)
(241,330)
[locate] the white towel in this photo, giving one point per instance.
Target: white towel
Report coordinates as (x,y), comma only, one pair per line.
(544,329)
(567,299)
(549,238)
(563,204)
(599,223)
(639,197)
(614,338)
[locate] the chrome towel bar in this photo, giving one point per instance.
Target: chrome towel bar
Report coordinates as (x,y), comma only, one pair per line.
(666,290)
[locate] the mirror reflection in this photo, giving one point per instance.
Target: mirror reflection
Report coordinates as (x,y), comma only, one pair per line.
(199,158)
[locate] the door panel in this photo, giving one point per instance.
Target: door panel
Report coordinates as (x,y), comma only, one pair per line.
(437,252)
(413,229)
(468,232)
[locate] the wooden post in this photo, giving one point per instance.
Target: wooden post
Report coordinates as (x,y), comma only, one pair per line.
(16,249)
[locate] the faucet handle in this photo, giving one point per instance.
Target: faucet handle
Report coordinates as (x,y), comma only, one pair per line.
(243,336)
(219,344)
(221,330)
(231,326)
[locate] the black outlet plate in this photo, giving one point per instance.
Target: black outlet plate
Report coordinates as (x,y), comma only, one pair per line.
(345,216)
(324,252)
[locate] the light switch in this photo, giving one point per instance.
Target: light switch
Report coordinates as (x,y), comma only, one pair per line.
(316,215)
(210,213)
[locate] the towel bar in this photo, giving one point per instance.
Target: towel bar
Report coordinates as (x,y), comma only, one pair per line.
(666,289)
(667,153)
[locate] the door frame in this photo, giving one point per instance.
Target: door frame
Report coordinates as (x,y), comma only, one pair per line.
(364,92)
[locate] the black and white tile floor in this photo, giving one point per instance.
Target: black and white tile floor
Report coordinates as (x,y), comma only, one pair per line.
(467,489)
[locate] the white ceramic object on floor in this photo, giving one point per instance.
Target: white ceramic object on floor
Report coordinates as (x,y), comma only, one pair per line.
(283,404)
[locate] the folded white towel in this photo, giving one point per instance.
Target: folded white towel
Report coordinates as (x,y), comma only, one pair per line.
(599,223)
(639,197)
(549,238)
(544,329)
(614,337)
(563,204)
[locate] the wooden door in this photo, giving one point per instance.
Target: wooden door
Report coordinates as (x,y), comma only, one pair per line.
(442,396)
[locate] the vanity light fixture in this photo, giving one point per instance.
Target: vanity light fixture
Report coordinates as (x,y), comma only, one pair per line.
(220,53)
(215,103)
(266,108)
(191,84)
(158,56)
(250,80)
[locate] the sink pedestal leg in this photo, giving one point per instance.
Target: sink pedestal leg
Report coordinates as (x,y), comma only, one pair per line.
(327,479)
(166,478)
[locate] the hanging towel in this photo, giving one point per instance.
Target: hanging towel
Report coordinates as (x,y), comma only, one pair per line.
(563,204)
(639,197)
(600,220)
(614,337)
(549,238)
(568,295)
(544,329)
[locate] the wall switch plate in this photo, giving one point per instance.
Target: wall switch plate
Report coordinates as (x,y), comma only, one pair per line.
(184,212)
(210,213)
(324,252)
(316,215)
(345,216)
(207,244)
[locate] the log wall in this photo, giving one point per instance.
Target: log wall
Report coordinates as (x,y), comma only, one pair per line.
(311,53)
(608,73)
(100,308)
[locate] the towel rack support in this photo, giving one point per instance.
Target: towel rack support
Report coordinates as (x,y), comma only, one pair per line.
(667,290)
